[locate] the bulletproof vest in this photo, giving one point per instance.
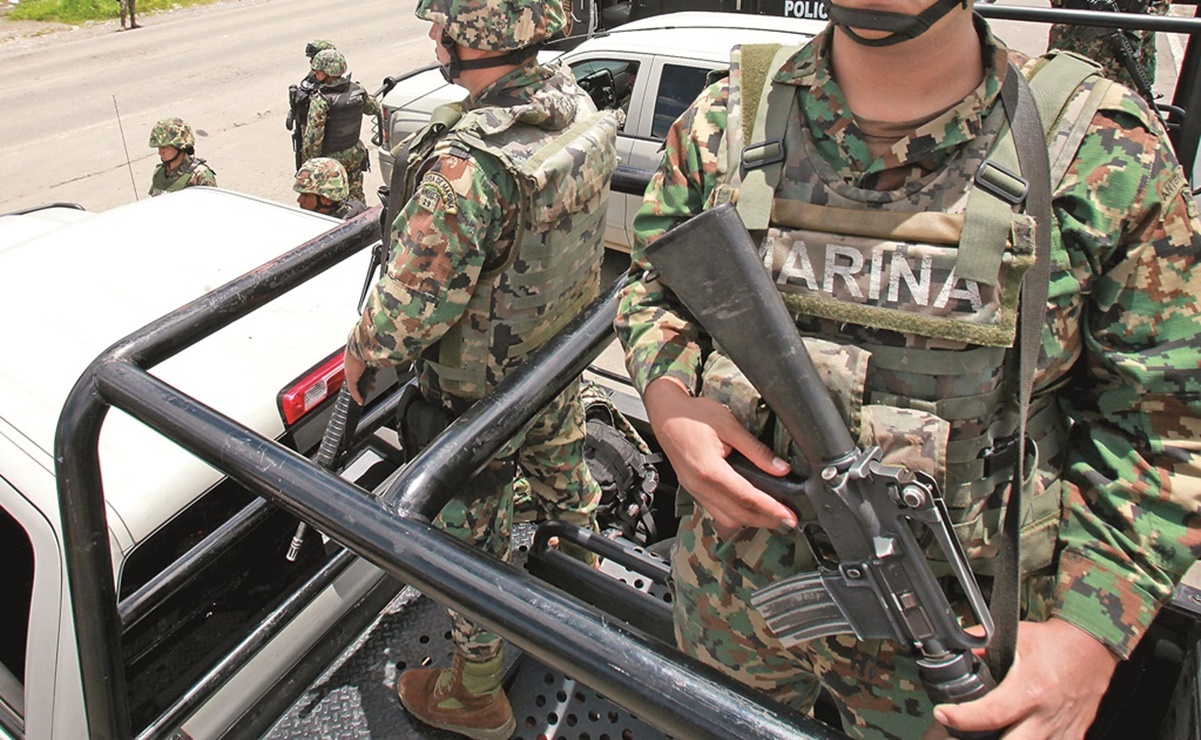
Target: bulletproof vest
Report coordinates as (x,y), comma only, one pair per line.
(552,269)
(908,298)
(344,120)
(162,183)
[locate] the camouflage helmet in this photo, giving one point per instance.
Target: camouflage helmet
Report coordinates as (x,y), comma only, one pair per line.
(330,61)
(316,45)
(495,25)
(323,176)
(172,132)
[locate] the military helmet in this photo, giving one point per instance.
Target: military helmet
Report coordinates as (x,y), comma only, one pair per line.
(316,45)
(172,132)
(330,61)
(495,25)
(323,176)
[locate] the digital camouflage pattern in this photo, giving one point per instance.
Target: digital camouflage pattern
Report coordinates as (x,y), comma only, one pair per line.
(1125,245)
(171,132)
(495,25)
(354,158)
(471,288)
(330,61)
(1096,44)
(323,176)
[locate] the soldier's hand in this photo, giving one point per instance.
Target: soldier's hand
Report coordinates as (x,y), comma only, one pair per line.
(1053,689)
(354,372)
(697,434)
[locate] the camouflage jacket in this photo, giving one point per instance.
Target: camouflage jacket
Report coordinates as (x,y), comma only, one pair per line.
(456,274)
(1120,347)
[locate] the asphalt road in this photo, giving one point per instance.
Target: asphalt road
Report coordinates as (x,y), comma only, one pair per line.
(224,68)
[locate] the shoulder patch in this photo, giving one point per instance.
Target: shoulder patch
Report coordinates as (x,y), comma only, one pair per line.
(435,194)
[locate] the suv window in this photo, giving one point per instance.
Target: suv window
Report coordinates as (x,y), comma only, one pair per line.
(16,583)
(679,85)
(610,82)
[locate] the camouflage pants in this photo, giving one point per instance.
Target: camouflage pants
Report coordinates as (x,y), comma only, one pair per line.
(547,460)
(352,159)
(1096,44)
(876,687)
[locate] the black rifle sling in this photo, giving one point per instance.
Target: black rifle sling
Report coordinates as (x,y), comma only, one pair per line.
(400,167)
(1031,143)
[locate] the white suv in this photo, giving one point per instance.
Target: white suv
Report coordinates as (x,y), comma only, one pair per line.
(653,68)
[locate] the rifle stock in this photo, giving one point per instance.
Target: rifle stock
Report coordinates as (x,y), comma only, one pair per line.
(877,582)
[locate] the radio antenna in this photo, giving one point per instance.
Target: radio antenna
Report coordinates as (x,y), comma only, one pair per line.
(128,163)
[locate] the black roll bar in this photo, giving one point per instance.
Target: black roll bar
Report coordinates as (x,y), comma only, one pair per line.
(691,700)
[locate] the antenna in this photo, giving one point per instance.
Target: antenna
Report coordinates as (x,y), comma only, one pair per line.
(128,163)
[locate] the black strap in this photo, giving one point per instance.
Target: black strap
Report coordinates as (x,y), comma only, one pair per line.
(1030,139)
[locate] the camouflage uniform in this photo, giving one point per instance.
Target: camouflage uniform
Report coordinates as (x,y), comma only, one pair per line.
(1117,458)
(1096,44)
(186,170)
(326,178)
(490,259)
(354,157)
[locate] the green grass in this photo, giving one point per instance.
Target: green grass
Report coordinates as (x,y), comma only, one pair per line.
(78,11)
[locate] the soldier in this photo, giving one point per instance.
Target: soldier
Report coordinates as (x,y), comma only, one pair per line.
(1109,47)
(498,244)
(857,172)
(298,98)
(179,168)
(321,182)
(335,118)
(129,11)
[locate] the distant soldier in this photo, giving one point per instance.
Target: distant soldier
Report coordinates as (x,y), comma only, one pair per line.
(180,168)
(129,11)
(298,98)
(335,118)
(1109,47)
(321,182)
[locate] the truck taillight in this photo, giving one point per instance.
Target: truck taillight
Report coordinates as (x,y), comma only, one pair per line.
(385,131)
(310,390)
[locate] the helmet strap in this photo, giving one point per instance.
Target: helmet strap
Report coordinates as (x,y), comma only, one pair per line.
(901,26)
(454,70)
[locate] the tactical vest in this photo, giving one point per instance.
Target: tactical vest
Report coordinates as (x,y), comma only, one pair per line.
(908,298)
(162,183)
(344,120)
(553,268)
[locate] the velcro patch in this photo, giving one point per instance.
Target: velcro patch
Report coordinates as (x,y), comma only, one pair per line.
(435,194)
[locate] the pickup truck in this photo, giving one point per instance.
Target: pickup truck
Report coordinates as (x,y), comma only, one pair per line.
(147,531)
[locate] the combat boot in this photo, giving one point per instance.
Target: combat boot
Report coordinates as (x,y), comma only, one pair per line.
(466,698)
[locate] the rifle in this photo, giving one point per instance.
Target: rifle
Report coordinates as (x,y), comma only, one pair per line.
(876,583)
(298,113)
(335,443)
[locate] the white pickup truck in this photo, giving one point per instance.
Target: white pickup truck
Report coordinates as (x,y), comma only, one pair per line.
(71,284)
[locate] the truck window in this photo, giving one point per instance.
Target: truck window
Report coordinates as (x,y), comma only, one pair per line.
(678,87)
(610,82)
(16,583)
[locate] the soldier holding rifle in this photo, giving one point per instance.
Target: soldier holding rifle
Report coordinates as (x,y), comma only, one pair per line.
(903,199)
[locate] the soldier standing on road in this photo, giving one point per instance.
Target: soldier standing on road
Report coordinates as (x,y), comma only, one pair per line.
(335,118)
(129,11)
(321,182)
(881,122)
(179,168)
(299,96)
(1105,45)
(498,244)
